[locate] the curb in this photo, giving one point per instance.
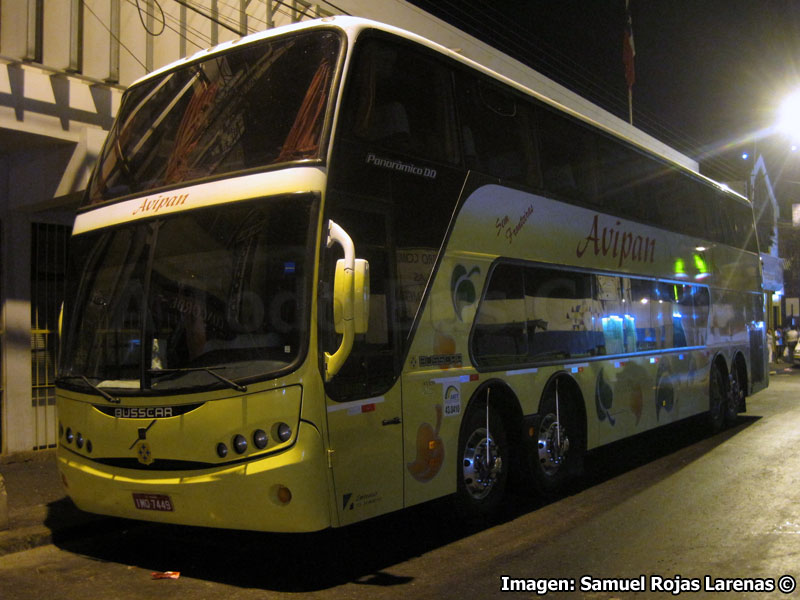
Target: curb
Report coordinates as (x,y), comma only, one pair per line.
(71,527)
(23,539)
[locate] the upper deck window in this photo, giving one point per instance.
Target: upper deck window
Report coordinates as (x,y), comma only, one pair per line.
(250,107)
(401,101)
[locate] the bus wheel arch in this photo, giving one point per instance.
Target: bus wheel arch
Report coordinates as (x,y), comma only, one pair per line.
(485,462)
(560,438)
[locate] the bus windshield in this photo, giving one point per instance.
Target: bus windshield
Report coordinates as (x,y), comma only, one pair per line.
(254,106)
(190,300)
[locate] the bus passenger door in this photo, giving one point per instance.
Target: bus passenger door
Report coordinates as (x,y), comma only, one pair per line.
(364,401)
(367,444)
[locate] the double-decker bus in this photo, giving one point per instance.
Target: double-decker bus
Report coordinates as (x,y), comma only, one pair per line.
(333,270)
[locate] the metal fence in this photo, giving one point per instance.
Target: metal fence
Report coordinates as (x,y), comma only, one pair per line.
(48,280)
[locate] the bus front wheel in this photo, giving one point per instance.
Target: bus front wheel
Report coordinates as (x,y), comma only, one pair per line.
(483,460)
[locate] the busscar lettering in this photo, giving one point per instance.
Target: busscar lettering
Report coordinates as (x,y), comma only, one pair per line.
(153,205)
(625,246)
(144,412)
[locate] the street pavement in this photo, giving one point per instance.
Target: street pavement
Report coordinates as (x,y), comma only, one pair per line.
(40,513)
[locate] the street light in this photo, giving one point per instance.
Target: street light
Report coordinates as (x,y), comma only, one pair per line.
(789,117)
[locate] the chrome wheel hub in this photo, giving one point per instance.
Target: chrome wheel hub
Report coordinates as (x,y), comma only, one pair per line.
(482,464)
(553,445)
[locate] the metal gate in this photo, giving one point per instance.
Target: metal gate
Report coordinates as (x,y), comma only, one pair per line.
(48,280)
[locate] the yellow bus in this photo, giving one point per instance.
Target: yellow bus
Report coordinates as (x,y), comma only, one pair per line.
(333,270)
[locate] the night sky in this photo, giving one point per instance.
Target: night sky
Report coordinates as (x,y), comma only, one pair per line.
(709,73)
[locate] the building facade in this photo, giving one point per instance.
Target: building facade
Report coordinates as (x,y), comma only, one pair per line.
(63,67)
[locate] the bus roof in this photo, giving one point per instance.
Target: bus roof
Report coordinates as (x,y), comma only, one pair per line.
(353,26)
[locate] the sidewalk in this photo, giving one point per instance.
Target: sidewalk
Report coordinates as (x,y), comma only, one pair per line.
(784,368)
(38,509)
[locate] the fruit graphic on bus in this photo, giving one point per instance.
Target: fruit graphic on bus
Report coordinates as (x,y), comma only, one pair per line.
(430,450)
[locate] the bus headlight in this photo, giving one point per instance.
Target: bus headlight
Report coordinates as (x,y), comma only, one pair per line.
(260,439)
(284,432)
(240,444)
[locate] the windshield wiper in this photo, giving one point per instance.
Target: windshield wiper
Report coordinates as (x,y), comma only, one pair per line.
(97,389)
(210,370)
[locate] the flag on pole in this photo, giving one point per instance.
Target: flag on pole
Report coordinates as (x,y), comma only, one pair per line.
(628,49)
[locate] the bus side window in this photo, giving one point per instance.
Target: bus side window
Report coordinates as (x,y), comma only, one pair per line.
(500,336)
(700,313)
(641,295)
(613,317)
(560,309)
(402,101)
(662,309)
(496,132)
(620,173)
(534,314)
(567,157)
(691,315)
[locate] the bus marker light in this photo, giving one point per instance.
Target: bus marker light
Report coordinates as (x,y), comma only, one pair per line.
(79,440)
(222,450)
(284,494)
(284,432)
(69,435)
(260,439)
(239,444)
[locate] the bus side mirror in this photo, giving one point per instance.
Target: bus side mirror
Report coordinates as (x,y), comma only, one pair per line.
(360,296)
(350,298)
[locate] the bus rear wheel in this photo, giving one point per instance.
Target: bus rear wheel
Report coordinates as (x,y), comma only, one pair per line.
(483,461)
(735,396)
(560,444)
(717,399)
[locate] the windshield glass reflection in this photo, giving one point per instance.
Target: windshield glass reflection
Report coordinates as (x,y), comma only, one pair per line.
(203,298)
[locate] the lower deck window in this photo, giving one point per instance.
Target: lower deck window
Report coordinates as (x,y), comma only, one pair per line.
(532,314)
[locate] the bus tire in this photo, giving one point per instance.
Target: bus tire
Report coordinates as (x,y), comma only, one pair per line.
(735,396)
(482,475)
(717,399)
(560,446)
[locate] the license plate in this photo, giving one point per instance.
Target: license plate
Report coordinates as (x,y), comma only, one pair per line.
(160,502)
